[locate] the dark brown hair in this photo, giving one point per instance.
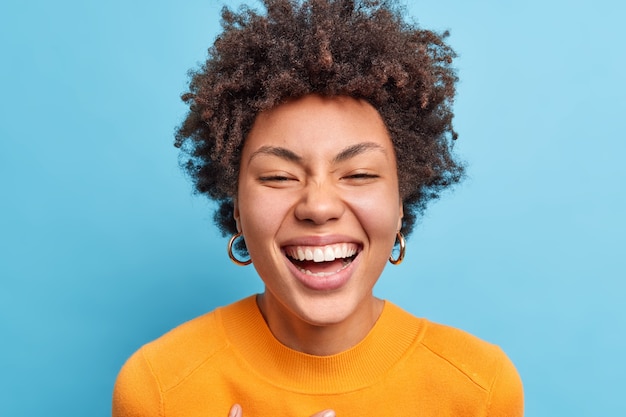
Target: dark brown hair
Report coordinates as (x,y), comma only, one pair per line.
(363,49)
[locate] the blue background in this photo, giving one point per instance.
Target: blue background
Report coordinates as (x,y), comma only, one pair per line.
(103,247)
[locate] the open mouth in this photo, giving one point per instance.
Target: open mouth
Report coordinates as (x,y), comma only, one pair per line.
(322,261)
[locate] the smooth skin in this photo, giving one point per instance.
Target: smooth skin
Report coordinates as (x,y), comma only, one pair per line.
(319,174)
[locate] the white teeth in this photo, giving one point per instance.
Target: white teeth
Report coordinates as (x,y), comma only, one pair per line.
(322,253)
(324,274)
(318,255)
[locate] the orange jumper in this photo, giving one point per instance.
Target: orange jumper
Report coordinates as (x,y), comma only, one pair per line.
(405,366)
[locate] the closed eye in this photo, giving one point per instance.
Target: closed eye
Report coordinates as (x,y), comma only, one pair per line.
(361,176)
(275,178)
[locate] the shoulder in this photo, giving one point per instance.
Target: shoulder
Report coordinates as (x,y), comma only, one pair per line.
(180,351)
(483,363)
(167,361)
(477,359)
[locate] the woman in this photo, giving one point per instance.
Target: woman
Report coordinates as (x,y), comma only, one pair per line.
(322,128)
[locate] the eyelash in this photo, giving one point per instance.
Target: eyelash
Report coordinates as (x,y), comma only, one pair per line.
(361,176)
(279,178)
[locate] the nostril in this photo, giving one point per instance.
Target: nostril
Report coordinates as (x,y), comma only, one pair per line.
(320,207)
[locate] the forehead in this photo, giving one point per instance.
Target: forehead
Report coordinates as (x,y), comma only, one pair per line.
(319,124)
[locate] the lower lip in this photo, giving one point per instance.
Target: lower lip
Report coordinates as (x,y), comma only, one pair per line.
(327,283)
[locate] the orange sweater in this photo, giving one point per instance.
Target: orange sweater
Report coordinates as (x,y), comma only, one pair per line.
(406,366)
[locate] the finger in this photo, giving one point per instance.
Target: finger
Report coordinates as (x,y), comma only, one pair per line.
(325,413)
(235,411)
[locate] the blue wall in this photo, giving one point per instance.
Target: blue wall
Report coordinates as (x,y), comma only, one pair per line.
(103,247)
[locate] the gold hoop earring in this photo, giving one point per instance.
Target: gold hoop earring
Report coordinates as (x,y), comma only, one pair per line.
(402,243)
(230,251)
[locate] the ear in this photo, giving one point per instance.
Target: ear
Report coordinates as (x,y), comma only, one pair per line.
(236,214)
(401,216)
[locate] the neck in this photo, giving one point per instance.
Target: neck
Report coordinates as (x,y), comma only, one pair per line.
(319,340)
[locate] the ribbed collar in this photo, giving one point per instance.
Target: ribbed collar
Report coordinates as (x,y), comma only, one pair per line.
(360,366)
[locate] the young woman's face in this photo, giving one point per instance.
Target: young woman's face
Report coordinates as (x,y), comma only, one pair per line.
(319,206)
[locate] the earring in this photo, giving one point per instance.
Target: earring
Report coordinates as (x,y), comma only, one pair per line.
(402,243)
(230,251)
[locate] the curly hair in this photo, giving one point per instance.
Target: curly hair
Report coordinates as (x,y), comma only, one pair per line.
(362,49)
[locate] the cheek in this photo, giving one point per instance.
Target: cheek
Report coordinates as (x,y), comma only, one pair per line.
(262,213)
(378,213)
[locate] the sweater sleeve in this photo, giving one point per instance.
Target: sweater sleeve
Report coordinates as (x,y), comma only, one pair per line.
(137,392)
(507,393)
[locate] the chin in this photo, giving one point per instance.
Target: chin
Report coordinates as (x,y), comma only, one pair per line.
(329,309)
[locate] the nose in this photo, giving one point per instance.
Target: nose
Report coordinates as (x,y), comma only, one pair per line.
(319,204)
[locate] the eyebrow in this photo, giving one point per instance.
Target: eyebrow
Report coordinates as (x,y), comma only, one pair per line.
(283,153)
(345,154)
(359,148)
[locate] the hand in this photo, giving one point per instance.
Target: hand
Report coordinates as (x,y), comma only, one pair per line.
(236,411)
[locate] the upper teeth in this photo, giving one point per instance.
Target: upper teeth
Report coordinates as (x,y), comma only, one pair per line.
(322,253)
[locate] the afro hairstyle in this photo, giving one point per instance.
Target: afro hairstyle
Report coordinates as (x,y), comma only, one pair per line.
(362,49)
